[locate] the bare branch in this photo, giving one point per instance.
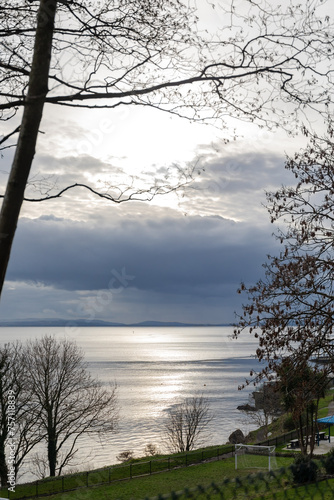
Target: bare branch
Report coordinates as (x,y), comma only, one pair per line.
(6,137)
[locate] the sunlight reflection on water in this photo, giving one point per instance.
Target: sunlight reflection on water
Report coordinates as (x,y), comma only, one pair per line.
(154,368)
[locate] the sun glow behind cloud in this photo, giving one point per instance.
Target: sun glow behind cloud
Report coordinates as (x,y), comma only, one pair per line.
(137,149)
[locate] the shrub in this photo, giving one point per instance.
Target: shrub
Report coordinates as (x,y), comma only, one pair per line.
(328,462)
(150,450)
(304,470)
(125,456)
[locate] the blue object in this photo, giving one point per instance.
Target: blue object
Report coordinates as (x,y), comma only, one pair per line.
(327,420)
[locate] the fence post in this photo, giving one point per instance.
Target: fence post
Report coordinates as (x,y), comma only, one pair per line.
(109,475)
(186,461)
(87,478)
(168,463)
(37,488)
(130,471)
(150,467)
(62,484)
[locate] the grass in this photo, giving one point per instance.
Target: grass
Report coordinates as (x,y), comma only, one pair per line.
(140,487)
(165,482)
(135,468)
(222,473)
(204,474)
(323,405)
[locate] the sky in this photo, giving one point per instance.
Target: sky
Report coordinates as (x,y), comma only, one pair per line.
(180,257)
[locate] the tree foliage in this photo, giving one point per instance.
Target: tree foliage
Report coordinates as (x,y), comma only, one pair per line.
(290,311)
(304,470)
(266,407)
(125,456)
(302,388)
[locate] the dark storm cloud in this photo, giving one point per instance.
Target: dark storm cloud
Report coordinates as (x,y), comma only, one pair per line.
(180,255)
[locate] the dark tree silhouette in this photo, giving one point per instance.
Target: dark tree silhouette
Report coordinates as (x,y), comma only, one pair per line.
(291,310)
(302,388)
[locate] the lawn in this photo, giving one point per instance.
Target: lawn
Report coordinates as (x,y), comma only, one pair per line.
(229,483)
(222,473)
(167,482)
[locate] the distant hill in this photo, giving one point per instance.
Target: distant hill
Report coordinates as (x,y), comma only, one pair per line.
(82,322)
(173,323)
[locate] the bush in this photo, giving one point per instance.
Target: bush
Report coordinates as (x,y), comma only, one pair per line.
(124,456)
(150,450)
(328,462)
(304,470)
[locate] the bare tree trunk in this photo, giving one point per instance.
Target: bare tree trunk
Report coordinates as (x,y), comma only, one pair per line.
(3,422)
(3,463)
(52,452)
(301,435)
(32,115)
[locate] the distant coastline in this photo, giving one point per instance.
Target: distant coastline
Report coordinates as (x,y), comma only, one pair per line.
(82,322)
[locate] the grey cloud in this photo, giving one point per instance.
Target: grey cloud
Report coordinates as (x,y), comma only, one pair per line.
(55,173)
(235,185)
(195,255)
(185,268)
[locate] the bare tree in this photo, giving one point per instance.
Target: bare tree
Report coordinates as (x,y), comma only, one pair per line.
(70,402)
(151,53)
(19,427)
(186,424)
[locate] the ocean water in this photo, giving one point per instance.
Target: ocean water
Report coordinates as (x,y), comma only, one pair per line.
(154,368)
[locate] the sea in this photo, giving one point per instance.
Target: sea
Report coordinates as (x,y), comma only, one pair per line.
(154,369)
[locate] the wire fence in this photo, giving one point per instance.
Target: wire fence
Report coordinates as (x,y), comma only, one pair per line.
(267,485)
(274,485)
(108,475)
